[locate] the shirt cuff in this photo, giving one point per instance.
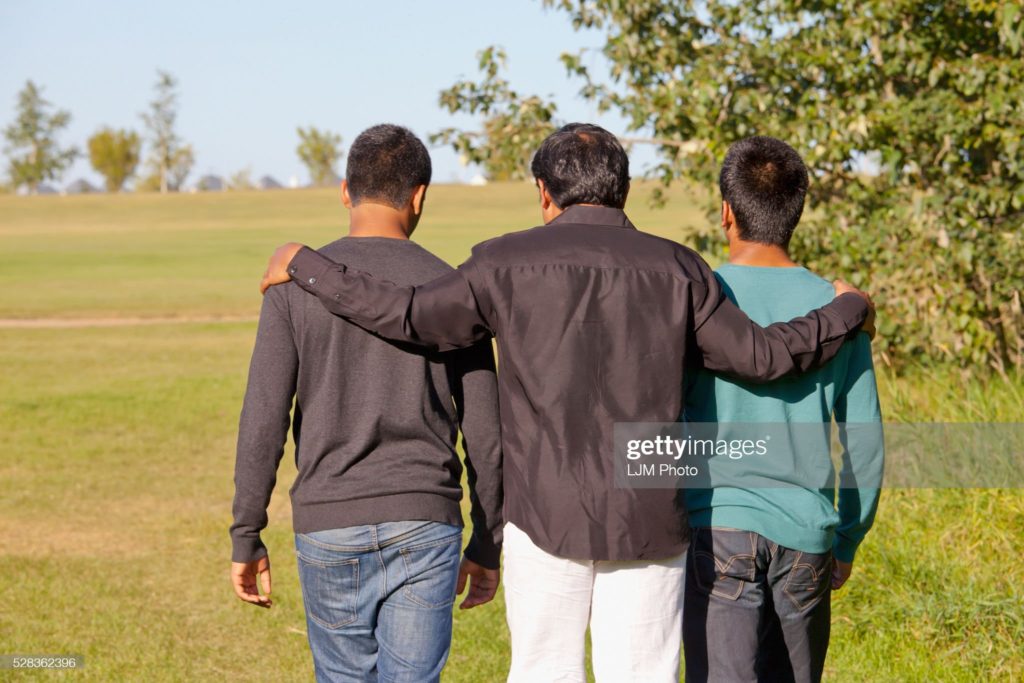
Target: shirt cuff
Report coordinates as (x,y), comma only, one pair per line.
(484,552)
(852,309)
(306,268)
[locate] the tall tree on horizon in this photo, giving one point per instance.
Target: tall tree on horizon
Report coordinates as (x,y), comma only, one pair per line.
(169,160)
(34,153)
(319,151)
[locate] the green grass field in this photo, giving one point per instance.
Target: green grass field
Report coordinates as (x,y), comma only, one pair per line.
(117,473)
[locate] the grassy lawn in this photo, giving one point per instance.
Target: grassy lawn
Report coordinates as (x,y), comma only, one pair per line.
(117,475)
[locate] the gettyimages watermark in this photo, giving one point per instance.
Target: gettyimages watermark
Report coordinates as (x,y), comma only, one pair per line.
(754,455)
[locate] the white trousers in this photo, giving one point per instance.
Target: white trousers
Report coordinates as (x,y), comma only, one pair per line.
(635,612)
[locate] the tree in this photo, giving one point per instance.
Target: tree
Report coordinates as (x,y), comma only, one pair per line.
(241,180)
(319,151)
(169,161)
(907,113)
(34,154)
(513,126)
(115,155)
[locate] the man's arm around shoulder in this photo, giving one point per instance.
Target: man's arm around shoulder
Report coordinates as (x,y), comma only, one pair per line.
(442,314)
(733,344)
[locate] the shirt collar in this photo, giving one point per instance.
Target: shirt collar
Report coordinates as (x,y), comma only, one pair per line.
(579,214)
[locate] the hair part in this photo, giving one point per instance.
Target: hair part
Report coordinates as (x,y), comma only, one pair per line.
(385,166)
(581,163)
(765,182)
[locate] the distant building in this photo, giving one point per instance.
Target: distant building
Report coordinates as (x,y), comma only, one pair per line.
(80,186)
(478,180)
(43,188)
(210,183)
(268,183)
(293,182)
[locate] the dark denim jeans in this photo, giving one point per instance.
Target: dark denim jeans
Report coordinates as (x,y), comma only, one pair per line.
(754,610)
(379,599)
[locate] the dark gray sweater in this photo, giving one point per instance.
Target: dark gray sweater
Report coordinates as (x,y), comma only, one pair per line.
(376,423)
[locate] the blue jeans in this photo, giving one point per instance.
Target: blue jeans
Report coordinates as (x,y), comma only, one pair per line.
(379,599)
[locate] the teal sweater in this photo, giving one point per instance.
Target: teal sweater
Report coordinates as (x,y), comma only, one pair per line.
(795,517)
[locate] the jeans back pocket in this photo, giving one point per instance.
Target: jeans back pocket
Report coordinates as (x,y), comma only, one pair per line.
(809,579)
(432,571)
(330,590)
(723,561)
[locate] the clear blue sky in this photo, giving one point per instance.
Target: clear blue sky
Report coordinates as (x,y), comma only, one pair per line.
(250,72)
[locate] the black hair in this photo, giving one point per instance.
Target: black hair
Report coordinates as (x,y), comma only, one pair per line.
(765,182)
(581,163)
(385,165)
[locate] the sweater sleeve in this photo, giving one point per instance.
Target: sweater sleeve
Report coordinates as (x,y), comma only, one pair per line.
(263,425)
(859,418)
(476,398)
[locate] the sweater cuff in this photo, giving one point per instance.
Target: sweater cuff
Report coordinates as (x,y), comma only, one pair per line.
(484,552)
(844,549)
(247,548)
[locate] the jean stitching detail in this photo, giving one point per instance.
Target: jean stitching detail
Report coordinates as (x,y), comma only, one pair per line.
(342,548)
(431,544)
(721,566)
(406,589)
(405,535)
(816,577)
(325,563)
(352,612)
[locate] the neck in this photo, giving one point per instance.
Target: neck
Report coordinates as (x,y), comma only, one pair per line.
(375,220)
(753,254)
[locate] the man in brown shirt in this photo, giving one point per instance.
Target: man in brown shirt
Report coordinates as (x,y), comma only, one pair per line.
(596,323)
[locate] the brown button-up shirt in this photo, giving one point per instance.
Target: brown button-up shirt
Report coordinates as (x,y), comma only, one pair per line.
(596,322)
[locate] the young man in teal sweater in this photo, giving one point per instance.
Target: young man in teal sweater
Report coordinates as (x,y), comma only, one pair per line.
(763,558)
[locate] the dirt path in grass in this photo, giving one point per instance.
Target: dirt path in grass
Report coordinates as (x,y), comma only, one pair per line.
(67,323)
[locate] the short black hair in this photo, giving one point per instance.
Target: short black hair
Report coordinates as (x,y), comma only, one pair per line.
(581,163)
(385,165)
(765,182)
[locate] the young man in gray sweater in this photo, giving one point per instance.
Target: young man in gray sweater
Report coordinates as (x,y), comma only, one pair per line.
(375,504)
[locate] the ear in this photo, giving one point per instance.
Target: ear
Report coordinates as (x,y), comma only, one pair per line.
(345,198)
(626,197)
(545,199)
(728,219)
(419,195)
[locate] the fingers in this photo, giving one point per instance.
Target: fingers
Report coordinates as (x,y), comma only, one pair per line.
(869,323)
(243,579)
(463,575)
(483,587)
(477,596)
(277,268)
(840,573)
(264,572)
(842,287)
(245,590)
